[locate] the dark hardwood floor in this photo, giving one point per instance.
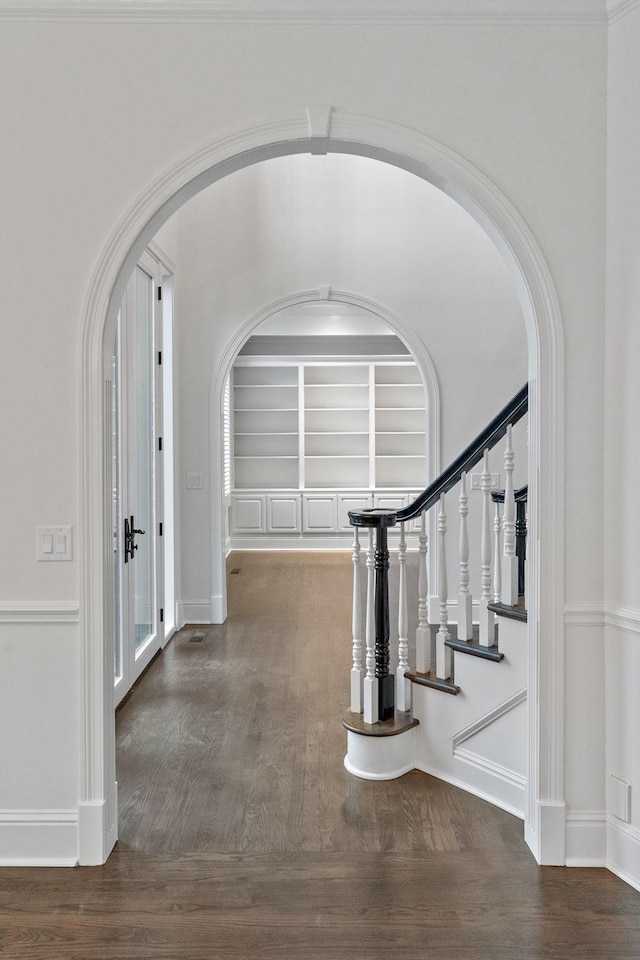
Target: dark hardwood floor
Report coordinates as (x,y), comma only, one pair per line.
(242,835)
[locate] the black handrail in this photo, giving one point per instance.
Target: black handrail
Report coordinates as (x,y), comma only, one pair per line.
(520,495)
(514,411)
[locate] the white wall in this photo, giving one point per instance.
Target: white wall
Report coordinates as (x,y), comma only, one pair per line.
(93,113)
(622,452)
(357,225)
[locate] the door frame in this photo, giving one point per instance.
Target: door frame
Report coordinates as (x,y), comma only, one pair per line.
(315,131)
(134,662)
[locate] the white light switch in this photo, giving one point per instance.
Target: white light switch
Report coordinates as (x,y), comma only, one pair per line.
(475,481)
(54,544)
(194,481)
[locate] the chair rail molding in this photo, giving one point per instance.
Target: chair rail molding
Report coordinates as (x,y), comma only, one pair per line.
(623,618)
(419,154)
(39,611)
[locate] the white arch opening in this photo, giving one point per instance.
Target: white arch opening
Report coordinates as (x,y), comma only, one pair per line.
(411,151)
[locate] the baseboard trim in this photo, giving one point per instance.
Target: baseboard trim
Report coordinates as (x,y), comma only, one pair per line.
(469,788)
(623,851)
(194,611)
(509,777)
(586,838)
(218,608)
(97,830)
(38,838)
(552,829)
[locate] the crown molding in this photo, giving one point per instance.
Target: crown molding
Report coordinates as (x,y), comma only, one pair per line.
(316,11)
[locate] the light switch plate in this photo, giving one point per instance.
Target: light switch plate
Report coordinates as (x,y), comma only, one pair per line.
(475,481)
(194,481)
(54,544)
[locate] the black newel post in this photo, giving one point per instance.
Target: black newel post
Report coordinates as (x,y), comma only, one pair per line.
(380,519)
(521,542)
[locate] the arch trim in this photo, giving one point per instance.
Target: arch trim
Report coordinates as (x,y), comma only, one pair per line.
(430,160)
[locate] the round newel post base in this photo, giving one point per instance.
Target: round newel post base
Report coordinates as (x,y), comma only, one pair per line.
(380,751)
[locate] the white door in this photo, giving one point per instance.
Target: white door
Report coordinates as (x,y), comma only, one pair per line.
(138,476)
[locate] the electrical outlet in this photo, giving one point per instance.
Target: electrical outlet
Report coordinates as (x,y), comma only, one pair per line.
(619,799)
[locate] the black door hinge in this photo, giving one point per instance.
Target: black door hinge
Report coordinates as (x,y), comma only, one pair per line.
(160,443)
(160,532)
(159,358)
(159,293)
(161,614)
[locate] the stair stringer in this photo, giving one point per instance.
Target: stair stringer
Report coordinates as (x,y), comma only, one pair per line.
(477,740)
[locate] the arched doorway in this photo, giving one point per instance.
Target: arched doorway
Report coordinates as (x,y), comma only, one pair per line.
(339,298)
(430,161)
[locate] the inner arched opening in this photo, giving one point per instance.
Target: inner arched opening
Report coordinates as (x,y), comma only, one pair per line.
(326,227)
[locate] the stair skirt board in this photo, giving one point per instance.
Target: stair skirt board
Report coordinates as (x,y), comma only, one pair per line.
(477,791)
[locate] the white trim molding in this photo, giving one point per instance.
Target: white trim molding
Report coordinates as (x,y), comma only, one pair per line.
(39,611)
(417,153)
(485,721)
(622,618)
(472,788)
(618,9)
(194,611)
(408,12)
(623,851)
(584,614)
(39,838)
(586,838)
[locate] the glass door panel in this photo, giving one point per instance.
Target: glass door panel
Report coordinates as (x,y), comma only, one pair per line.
(137,458)
(142,447)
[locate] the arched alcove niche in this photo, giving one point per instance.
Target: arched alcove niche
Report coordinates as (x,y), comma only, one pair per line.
(413,152)
(345,310)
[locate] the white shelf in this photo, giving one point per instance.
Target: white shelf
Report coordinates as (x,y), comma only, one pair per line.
(285,419)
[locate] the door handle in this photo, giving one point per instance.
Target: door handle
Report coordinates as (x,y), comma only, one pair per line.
(130,545)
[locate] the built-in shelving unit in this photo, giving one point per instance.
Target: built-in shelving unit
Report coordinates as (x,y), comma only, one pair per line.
(399,426)
(313,439)
(336,425)
(265,427)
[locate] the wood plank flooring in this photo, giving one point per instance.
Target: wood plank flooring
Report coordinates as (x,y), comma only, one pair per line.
(242,835)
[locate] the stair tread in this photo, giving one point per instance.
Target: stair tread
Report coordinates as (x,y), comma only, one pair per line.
(476,649)
(427,680)
(384,728)
(516,612)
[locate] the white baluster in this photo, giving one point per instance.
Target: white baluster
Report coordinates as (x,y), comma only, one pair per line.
(485,616)
(357,675)
(403,686)
(509,559)
(465,621)
(423,633)
(370,680)
(443,653)
(497,553)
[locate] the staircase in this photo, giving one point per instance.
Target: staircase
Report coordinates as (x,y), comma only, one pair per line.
(458,709)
